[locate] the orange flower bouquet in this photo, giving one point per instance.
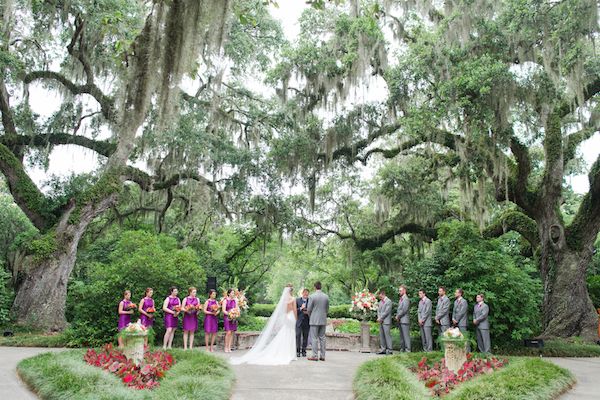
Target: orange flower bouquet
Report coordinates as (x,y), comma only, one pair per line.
(177,309)
(151,310)
(131,306)
(214,308)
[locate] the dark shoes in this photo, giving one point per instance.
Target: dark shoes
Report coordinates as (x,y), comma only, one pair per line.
(382,353)
(303,354)
(322,359)
(298,354)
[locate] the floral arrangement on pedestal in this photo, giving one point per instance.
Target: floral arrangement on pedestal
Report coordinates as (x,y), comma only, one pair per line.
(143,376)
(440,380)
(364,305)
(454,342)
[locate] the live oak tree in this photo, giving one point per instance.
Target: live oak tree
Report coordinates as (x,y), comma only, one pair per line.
(480,83)
(116,68)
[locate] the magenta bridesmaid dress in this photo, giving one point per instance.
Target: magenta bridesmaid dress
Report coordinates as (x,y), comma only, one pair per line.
(124,319)
(190,319)
(210,321)
(171,321)
(230,325)
(148,303)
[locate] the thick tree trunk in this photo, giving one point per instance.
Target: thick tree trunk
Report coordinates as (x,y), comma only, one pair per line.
(567,308)
(41,298)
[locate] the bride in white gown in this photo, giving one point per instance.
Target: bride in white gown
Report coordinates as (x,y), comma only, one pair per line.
(276,344)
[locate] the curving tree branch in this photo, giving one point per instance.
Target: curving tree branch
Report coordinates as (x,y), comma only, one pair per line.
(106,103)
(102,147)
(516,221)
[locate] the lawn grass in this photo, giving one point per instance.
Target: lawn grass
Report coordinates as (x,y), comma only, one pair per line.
(554,348)
(387,378)
(36,339)
(64,375)
(523,378)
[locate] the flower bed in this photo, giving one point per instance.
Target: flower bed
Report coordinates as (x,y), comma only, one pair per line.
(144,376)
(441,380)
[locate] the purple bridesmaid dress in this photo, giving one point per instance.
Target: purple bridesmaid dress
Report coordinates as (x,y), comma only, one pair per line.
(148,303)
(210,321)
(230,325)
(171,321)
(190,320)
(124,319)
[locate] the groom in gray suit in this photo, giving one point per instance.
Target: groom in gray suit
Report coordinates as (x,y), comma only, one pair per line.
(318,308)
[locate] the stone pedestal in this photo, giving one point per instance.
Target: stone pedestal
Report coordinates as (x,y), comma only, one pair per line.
(365,337)
(134,348)
(455,355)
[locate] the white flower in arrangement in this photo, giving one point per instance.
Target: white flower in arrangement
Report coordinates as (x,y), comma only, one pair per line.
(364,301)
(136,328)
(453,333)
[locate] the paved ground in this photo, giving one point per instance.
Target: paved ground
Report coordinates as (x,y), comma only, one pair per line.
(587,372)
(302,379)
(330,380)
(11,386)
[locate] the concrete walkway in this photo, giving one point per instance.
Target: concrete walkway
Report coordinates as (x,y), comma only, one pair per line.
(302,379)
(587,372)
(11,387)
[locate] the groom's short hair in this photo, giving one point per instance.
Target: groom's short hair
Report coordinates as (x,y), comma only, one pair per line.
(318,285)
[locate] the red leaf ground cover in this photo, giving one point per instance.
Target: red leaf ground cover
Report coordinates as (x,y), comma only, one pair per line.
(144,376)
(440,380)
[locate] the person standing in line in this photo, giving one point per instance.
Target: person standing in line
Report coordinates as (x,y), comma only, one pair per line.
(424,315)
(459,313)
(302,324)
(402,317)
(384,319)
(482,325)
(442,310)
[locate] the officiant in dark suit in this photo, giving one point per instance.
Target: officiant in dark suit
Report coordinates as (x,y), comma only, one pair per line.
(302,324)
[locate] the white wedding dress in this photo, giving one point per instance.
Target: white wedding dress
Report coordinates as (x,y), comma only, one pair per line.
(276,344)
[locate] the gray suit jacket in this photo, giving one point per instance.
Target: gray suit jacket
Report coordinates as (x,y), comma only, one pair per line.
(459,312)
(424,311)
(442,311)
(480,314)
(384,311)
(403,307)
(318,308)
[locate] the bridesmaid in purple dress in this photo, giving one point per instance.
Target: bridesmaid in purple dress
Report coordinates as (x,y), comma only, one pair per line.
(190,318)
(125,311)
(146,317)
(211,326)
(171,307)
(230,326)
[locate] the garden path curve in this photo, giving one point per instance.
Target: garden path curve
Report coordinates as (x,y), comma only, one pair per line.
(587,372)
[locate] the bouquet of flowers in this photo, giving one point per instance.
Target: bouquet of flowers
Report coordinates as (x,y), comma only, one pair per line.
(131,306)
(151,310)
(177,309)
(233,314)
(214,308)
(364,304)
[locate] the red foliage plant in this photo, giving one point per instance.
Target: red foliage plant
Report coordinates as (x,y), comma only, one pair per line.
(144,376)
(440,380)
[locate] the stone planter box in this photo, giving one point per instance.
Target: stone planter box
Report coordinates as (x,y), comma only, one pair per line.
(335,341)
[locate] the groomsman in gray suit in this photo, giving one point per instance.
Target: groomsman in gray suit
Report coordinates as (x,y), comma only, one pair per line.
(318,308)
(424,316)
(442,310)
(482,326)
(459,312)
(384,319)
(402,317)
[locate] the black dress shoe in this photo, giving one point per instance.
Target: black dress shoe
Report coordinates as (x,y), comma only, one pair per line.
(304,354)
(322,359)
(382,353)
(298,354)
